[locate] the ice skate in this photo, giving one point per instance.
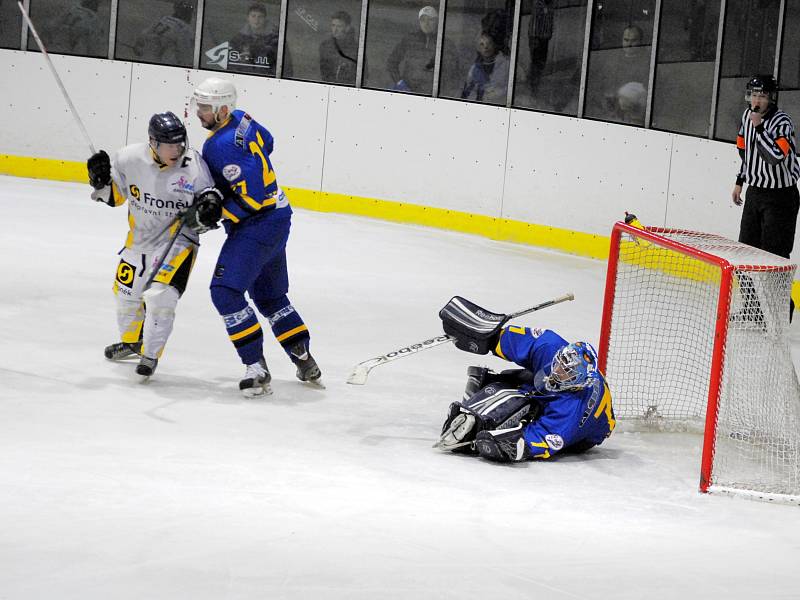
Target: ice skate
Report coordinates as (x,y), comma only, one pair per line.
(256,380)
(122,350)
(147,366)
(307,368)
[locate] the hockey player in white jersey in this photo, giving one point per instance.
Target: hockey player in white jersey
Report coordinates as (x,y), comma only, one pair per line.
(164,182)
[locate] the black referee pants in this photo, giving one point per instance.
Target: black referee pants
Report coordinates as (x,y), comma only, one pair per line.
(769,220)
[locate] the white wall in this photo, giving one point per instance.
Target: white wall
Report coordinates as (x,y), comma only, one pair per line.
(570,173)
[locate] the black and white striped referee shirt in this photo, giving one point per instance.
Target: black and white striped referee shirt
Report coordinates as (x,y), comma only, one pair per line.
(769,152)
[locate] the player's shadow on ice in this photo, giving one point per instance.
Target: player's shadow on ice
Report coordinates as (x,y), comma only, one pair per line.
(221,390)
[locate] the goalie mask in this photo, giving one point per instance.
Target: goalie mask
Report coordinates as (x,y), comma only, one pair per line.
(573,368)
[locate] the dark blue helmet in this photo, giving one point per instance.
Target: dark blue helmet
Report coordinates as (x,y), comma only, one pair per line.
(167,128)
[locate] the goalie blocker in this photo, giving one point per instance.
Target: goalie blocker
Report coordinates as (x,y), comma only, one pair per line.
(473,328)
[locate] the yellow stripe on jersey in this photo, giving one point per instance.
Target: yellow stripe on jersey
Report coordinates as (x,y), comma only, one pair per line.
(116,195)
(245,333)
(605,406)
(241,188)
(498,351)
(546,453)
(226,214)
(131,225)
(291,332)
(515,329)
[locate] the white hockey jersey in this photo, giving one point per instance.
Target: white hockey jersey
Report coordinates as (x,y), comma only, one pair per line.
(156,193)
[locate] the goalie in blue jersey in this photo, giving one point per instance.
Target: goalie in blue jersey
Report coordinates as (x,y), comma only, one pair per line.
(557,402)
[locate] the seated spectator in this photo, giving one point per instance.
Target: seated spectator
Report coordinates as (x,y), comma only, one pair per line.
(77,31)
(412,61)
(631,38)
(487,79)
(338,55)
(170,40)
(257,44)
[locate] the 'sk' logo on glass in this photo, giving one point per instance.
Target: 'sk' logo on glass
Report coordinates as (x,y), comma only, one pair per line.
(218,55)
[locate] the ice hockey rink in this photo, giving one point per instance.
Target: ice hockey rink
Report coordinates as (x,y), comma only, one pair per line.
(181,488)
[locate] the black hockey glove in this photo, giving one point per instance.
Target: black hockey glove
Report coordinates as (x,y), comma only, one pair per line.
(475,329)
(99,167)
(203,215)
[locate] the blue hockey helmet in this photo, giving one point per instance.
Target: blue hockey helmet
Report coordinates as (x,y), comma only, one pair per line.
(167,128)
(573,368)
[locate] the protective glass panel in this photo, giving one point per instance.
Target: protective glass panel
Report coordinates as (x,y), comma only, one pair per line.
(619,60)
(10,24)
(71,26)
(156,31)
(322,38)
(475,60)
(789,78)
(549,55)
(242,37)
(748,48)
(684,81)
(401,46)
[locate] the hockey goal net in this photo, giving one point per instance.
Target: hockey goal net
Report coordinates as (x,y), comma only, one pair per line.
(695,335)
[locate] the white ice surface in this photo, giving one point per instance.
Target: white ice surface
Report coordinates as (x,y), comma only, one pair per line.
(180,488)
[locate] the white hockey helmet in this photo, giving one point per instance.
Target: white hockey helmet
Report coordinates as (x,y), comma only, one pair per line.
(215,92)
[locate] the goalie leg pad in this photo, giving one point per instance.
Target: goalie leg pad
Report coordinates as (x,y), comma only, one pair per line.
(496,403)
(458,430)
(494,406)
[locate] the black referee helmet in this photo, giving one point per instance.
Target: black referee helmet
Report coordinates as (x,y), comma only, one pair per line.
(765,84)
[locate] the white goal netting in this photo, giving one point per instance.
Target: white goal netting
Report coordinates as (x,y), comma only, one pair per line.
(694,322)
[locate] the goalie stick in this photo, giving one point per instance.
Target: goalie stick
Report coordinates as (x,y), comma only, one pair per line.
(359,374)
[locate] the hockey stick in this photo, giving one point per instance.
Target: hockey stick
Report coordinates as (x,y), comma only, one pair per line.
(359,374)
(55,74)
(157,264)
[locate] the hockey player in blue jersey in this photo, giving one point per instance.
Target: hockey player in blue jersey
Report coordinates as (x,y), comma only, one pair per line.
(557,402)
(256,216)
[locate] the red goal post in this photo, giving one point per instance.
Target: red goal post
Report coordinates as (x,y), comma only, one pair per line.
(695,336)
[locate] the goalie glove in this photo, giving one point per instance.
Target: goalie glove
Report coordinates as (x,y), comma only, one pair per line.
(475,329)
(99,168)
(203,214)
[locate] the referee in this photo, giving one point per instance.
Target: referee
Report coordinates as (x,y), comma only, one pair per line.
(766,144)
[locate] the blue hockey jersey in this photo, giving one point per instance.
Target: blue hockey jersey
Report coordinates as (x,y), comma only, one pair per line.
(238,157)
(578,418)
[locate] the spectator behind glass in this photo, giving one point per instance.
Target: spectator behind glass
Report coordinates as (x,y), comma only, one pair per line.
(77,31)
(626,82)
(171,39)
(338,54)
(411,63)
(257,44)
(540,31)
(487,79)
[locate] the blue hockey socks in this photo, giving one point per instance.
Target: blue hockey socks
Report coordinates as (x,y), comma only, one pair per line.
(241,322)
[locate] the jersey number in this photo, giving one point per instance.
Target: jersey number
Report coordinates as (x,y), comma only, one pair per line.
(257,149)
